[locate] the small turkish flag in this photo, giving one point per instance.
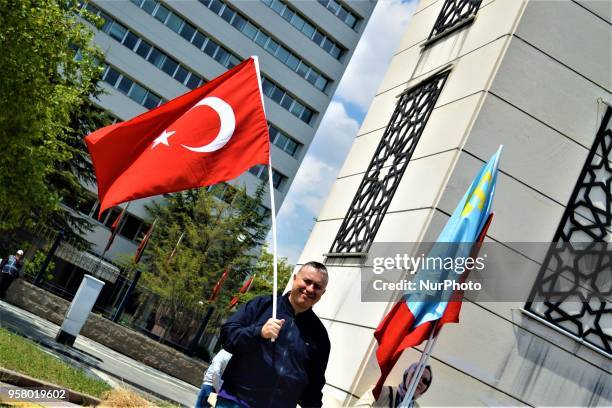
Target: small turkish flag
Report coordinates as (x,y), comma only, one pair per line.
(209,135)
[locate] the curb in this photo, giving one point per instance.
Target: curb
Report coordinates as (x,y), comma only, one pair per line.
(22,380)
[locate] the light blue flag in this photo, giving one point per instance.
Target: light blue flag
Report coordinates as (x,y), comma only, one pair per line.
(461,231)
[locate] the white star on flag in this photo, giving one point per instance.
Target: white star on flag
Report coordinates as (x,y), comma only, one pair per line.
(163,138)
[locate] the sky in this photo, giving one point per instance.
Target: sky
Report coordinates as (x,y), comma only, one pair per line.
(340,124)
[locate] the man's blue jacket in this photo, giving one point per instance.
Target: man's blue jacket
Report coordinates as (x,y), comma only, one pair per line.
(281,374)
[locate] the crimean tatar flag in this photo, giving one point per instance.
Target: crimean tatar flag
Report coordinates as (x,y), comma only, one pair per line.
(411,320)
(209,135)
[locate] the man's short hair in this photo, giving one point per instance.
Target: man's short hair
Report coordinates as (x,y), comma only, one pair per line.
(316,265)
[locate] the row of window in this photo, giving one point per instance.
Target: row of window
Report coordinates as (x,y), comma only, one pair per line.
(155,56)
(189,32)
(279,51)
(344,14)
(131,88)
(285,11)
(280,96)
(261,172)
(216,51)
(132,228)
(282,141)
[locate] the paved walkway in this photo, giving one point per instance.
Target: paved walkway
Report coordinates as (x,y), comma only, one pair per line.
(113,367)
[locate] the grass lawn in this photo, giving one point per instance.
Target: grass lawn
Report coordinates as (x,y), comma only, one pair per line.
(22,355)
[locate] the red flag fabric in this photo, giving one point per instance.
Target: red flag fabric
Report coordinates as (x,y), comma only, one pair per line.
(114,229)
(246,285)
(396,332)
(209,135)
(217,288)
(143,244)
(244,289)
(233,302)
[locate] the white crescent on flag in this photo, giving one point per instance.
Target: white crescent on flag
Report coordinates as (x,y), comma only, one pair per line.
(226,130)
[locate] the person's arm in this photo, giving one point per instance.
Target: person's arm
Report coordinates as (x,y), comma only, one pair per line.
(241,333)
(217,367)
(313,394)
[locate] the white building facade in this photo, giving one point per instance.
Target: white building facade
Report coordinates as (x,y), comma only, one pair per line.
(158,50)
(469,76)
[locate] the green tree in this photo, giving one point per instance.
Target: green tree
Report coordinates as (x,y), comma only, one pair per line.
(264,276)
(48,70)
(68,178)
(223,229)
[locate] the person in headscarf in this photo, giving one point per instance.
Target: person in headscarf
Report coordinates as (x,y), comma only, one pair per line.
(391,397)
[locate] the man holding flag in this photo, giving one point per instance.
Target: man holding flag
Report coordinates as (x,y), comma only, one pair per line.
(278,362)
(415,319)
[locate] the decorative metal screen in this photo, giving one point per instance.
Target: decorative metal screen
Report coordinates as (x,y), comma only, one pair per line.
(453,12)
(574,286)
(387,167)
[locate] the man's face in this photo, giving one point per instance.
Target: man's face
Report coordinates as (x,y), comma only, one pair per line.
(422,386)
(308,287)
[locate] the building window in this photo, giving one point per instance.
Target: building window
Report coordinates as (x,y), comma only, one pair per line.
(132,227)
(283,141)
(155,56)
(307,28)
(572,290)
(265,41)
(344,14)
(261,172)
(453,15)
(109,216)
(387,167)
(131,88)
(290,103)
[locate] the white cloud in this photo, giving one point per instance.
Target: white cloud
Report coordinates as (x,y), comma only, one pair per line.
(335,135)
(373,53)
(309,189)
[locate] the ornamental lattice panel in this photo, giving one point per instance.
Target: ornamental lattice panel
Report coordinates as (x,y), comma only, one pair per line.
(453,13)
(387,166)
(574,286)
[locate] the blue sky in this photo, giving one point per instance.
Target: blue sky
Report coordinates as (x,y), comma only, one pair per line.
(340,125)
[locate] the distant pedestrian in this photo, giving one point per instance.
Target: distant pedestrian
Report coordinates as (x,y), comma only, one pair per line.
(391,397)
(212,378)
(9,271)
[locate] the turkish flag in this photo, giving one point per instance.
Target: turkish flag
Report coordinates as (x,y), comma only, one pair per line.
(217,289)
(209,135)
(114,228)
(143,244)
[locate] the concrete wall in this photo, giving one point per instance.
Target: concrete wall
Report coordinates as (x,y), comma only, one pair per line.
(112,335)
